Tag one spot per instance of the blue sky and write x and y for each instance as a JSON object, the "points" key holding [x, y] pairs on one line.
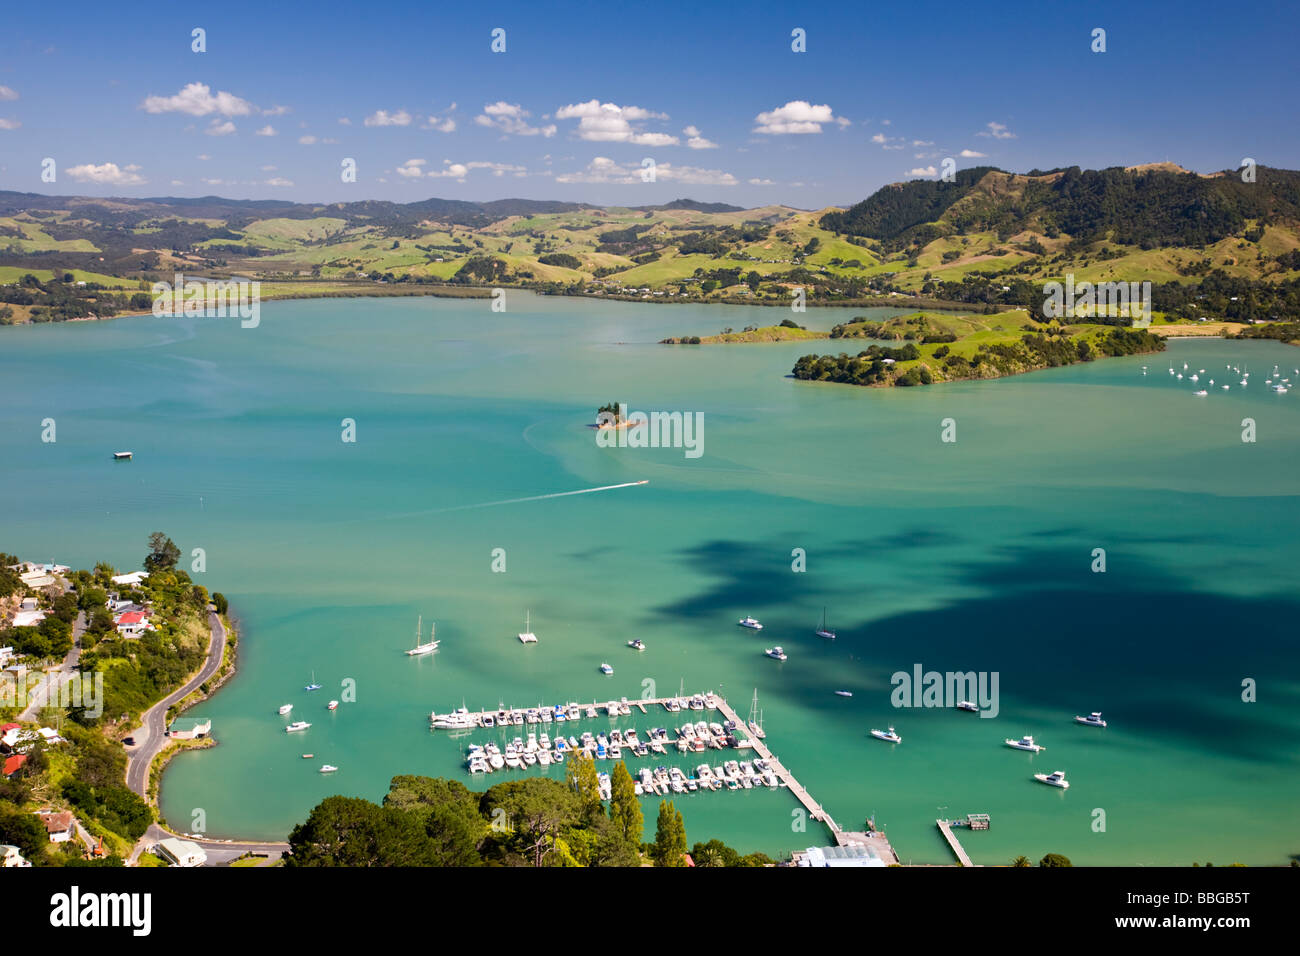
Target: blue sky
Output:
{"points": [[585, 92]]}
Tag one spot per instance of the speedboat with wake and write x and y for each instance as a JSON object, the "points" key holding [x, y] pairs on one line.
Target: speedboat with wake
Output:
{"points": [[890, 736], [1025, 743]]}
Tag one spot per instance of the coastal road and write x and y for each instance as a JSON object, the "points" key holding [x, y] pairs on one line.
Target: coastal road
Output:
{"points": [[220, 852], [57, 676], [149, 738]]}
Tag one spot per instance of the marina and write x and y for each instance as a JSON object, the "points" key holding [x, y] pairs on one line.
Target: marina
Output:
{"points": [[763, 769]]}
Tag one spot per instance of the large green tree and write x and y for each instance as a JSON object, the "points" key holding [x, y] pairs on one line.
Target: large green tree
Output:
{"points": [[580, 773], [670, 837], [624, 807], [163, 553]]}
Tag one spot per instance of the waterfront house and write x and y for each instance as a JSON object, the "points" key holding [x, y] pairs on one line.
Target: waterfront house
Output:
{"points": [[9, 735], [60, 826], [36, 580], [189, 728], [130, 580], [179, 852], [133, 623], [11, 856]]}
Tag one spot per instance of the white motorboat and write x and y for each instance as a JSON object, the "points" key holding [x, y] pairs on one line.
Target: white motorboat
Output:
{"points": [[328, 768], [1201, 393], [751, 623], [967, 705], [296, 726], [637, 644], [606, 669], [887, 735], [427, 647], [332, 705], [1054, 779], [1025, 743], [459, 719], [285, 708], [527, 636], [776, 653], [844, 693], [824, 631], [1092, 720]]}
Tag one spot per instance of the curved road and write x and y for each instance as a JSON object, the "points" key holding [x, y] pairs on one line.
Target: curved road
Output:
{"points": [[149, 740]]}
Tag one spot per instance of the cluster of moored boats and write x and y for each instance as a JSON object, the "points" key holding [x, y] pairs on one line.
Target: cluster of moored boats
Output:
{"points": [[464, 719], [540, 749], [733, 774], [1027, 742], [1279, 384]]}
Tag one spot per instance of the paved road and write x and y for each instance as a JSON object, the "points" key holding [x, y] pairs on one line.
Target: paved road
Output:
{"points": [[149, 738], [56, 676]]}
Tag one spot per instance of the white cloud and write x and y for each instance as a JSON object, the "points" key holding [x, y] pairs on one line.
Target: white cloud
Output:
{"points": [[278, 181], [997, 131], [609, 123], [344, 121], [306, 140], [511, 118], [276, 111], [7, 93], [696, 141], [385, 118], [218, 128], [605, 170], [411, 169], [106, 174], [922, 142], [923, 171], [203, 156], [760, 182], [880, 138], [797, 116], [268, 169], [9, 123], [178, 182], [267, 130], [197, 99], [971, 154]]}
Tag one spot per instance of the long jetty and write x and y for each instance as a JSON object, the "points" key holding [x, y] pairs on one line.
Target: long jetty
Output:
{"points": [[945, 827]]}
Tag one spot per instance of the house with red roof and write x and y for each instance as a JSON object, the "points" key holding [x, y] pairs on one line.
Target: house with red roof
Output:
{"points": [[133, 623], [12, 764]]}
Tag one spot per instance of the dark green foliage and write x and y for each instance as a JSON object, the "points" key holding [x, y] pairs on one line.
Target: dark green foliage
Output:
{"points": [[163, 553], [113, 805], [562, 259]]}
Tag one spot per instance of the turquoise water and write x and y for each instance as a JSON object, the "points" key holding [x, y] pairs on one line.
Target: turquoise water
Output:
{"points": [[965, 556]]}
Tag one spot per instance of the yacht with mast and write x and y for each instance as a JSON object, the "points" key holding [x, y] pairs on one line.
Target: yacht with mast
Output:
{"points": [[423, 648], [823, 631], [528, 637]]}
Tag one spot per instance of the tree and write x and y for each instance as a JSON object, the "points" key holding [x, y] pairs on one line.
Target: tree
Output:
{"points": [[670, 837], [714, 853], [580, 773], [24, 831], [1021, 861], [624, 807], [537, 810], [1055, 859], [220, 601], [163, 553]]}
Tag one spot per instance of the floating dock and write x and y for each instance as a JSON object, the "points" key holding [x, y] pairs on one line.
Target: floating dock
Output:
{"points": [[973, 821]]}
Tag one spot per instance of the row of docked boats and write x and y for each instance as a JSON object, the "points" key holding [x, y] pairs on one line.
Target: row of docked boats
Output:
{"points": [[462, 718], [734, 775]]}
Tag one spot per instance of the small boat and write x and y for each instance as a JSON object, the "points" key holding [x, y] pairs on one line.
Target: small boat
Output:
{"points": [[1092, 720], [751, 623], [887, 735], [328, 768], [636, 644], [313, 685], [1201, 393], [333, 705], [285, 708], [967, 705], [297, 725], [606, 669], [121, 456], [776, 653], [307, 756], [527, 636], [823, 631], [1054, 779], [1025, 743], [844, 693], [427, 647]]}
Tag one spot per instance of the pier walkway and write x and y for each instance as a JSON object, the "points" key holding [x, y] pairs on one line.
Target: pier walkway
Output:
{"points": [[945, 827]]}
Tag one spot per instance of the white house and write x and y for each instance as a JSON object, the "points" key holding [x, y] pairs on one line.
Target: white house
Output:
{"points": [[180, 852], [130, 580], [10, 856], [36, 579], [133, 623], [60, 826], [28, 618]]}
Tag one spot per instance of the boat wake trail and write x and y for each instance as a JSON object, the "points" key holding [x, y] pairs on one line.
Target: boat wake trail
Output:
{"points": [[516, 501]]}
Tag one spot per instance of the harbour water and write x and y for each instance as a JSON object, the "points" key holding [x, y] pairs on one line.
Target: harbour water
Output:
{"points": [[973, 555]]}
